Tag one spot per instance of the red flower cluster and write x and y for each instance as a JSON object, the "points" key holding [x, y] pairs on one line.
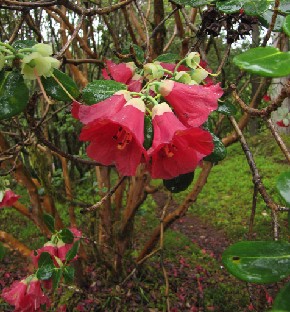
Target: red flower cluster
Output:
{"points": [[8, 199], [26, 295], [115, 126]]}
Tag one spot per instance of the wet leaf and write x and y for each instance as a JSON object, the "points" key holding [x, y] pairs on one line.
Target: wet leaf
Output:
{"points": [[258, 261], [219, 152], [283, 186], [148, 132], [46, 266], [193, 3], [73, 251], [267, 62], [54, 90], [227, 109], [282, 300], [68, 274], [168, 58], [99, 90], [14, 94], [66, 236], [180, 183], [49, 222], [230, 6], [56, 276], [22, 44]]}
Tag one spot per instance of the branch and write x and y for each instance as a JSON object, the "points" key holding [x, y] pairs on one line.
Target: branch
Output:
{"points": [[12, 243]]}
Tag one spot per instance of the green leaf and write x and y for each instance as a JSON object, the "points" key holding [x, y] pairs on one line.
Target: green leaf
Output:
{"points": [[258, 261], [14, 94], [22, 44], [54, 90], [66, 236], [194, 3], [56, 276], [283, 186], [45, 259], [49, 222], [138, 51], [219, 152], [148, 132], [2, 251], [266, 19], [99, 90], [230, 6], [73, 251], [286, 25], [267, 62], [68, 274], [45, 265], [168, 58], [282, 300], [227, 109], [255, 8], [180, 183]]}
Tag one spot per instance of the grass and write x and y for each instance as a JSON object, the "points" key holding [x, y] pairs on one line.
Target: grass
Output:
{"points": [[226, 199]]}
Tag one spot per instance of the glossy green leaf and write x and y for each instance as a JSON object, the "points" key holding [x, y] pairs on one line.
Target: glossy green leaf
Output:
{"points": [[56, 276], [54, 90], [14, 94], [266, 19], [68, 274], [22, 44], [267, 62], [49, 222], [255, 8], [219, 152], [286, 25], [148, 132], [66, 236], [194, 3], [46, 266], [180, 183], [2, 251], [282, 300], [99, 90], [168, 58], [230, 6], [283, 186], [227, 109], [73, 251], [258, 261]]}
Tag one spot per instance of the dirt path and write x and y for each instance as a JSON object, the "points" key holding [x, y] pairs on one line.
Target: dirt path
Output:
{"points": [[200, 232]]}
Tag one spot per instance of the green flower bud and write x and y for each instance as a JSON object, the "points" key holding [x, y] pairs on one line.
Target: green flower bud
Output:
{"points": [[183, 77], [43, 49], [153, 71], [199, 74], [35, 64], [192, 60]]}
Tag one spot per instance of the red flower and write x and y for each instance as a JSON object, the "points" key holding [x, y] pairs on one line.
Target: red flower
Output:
{"points": [[191, 103], [118, 139], [176, 149], [124, 73], [280, 123], [8, 199], [267, 98], [48, 247], [26, 295], [101, 110]]}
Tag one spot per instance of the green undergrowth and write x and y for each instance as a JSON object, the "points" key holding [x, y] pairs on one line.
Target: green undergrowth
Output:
{"points": [[226, 199]]}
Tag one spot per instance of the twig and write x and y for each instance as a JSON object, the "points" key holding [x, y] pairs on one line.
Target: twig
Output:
{"points": [[278, 139], [272, 24], [107, 196], [253, 213], [73, 36]]}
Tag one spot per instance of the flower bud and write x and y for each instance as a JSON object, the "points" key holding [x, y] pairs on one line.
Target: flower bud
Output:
{"points": [[183, 77], [199, 74], [153, 71], [192, 60]]}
